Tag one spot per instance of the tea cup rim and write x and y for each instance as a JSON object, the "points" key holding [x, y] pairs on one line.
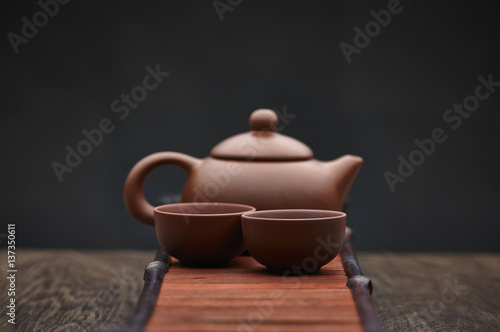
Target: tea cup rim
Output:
{"points": [[244, 209], [331, 215]]}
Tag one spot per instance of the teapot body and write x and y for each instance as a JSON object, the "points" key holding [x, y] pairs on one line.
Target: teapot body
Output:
{"points": [[305, 184]]}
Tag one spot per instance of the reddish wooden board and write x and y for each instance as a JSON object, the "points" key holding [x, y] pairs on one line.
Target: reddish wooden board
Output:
{"points": [[245, 297]]}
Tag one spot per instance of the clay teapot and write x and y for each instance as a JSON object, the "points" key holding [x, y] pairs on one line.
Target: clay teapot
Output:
{"points": [[261, 168]]}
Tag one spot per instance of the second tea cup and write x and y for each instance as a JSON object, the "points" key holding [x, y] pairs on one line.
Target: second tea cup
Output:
{"points": [[294, 242]]}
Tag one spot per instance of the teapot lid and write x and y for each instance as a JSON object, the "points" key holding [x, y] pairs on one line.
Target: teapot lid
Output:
{"points": [[262, 142]]}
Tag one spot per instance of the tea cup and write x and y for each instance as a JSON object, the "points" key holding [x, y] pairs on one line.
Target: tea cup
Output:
{"points": [[201, 234]]}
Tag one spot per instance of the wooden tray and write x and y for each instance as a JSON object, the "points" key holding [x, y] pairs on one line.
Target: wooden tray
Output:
{"points": [[245, 297]]}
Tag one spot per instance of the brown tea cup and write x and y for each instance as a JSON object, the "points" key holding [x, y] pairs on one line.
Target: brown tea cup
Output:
{"points": [[201, 234], [294, 242]]}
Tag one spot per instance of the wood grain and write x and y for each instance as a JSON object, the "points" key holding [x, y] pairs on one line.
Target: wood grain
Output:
{"points": [[68, 290], [65, 290], [245, 297], [409, 288]]}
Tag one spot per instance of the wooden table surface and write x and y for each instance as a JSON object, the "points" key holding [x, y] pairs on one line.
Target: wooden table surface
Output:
{"points": [[76, 290]]}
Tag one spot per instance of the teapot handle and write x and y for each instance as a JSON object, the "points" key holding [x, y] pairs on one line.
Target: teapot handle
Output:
{"points": [[133, 193]]}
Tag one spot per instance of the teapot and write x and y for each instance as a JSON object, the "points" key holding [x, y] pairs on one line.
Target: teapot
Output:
{"points": [[261, 168]]}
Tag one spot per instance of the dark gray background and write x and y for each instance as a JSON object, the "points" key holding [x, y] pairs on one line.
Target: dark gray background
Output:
{"points": [[268, 54]]}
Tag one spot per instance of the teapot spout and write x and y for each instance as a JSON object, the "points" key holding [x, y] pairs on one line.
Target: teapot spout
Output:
{"points": [[343, 171]]}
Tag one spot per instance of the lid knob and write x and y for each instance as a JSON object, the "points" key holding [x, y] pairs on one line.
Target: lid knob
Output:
{"points": [[263, 119]]}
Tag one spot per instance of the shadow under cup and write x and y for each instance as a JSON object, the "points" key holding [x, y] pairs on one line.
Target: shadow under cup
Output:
{"points": [[294, 242], [201, 234]]}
